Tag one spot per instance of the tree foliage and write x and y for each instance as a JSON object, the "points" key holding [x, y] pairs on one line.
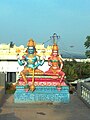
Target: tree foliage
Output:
{"points": [[76, 70], [87, 45], [87, 53]]}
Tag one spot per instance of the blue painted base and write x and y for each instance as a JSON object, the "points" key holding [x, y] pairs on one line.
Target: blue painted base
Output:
{"points": [[42, 94]]}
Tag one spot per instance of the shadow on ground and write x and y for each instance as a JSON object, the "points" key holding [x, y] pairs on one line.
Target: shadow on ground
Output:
{"points": [[0, 110], [9, 116], [4, 99]]}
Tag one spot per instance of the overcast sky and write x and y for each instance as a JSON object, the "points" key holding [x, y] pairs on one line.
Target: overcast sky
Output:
{"points": [[21, 20]]}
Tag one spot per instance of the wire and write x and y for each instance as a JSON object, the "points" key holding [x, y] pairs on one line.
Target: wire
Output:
{"points": [[46, 41]]}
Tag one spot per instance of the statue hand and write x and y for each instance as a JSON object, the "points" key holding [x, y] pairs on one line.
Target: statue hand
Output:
{"points": [[18, 57], [49, 63], [20, 61], [59, 70], [43, 57]]}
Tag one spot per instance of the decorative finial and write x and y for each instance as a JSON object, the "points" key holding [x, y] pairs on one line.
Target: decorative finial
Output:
{"points": [[55, 37]]}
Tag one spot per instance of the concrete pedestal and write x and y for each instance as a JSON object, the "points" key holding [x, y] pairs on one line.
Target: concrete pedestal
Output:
{"points": [[42, 94]]}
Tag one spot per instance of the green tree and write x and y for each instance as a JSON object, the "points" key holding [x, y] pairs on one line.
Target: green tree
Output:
{"points": [[76, 70], [70, 70], [83, 70], [87, 45]]}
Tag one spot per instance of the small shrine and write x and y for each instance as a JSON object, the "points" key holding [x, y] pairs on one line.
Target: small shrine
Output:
{"points": [[34, 85]]}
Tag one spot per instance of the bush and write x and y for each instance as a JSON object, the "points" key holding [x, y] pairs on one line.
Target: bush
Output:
{"points": [[10, 88]]}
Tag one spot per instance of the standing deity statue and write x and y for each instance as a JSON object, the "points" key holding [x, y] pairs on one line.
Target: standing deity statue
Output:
{"points": [[56, 64], [31, 62]]}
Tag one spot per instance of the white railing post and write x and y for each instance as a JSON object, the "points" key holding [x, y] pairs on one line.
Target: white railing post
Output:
{"points": [[83, 92]]}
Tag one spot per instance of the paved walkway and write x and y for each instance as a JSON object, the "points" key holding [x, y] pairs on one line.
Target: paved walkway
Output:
{"points": [[75, 110]]}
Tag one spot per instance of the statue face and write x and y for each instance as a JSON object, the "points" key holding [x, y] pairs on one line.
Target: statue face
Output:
{"points": [[55, 53], [31, 50]]}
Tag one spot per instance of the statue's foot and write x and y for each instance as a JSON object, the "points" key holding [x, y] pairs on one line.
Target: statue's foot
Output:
{"points": [[32, 87], [58, 88], [26, 87]]}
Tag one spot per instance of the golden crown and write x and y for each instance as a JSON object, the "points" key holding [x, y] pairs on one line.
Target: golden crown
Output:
{"points": [[31, 43], [55, 47]]}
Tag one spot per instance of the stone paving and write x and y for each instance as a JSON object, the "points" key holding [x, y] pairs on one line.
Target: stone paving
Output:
{"points": [[74, 110]]}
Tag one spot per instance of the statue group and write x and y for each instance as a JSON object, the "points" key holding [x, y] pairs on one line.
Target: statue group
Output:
{"points": [[31, 61], [34, 82]]}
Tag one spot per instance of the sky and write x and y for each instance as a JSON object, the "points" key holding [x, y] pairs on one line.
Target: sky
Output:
{"points": [[21, 20]]}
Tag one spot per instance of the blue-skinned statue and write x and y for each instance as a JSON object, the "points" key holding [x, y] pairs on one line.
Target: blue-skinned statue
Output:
{"points": [[31, 62]]}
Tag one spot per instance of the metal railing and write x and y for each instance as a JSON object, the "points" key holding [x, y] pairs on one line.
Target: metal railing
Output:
{"points": [[83, 91]]}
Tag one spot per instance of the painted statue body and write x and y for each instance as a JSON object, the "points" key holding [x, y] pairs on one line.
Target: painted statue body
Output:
{"points": [[56, 64], [30, 61]]}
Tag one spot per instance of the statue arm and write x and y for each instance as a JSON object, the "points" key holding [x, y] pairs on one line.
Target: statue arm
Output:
{"points": [[39, 62], [21, 61], [49, 62], [61, 63]]}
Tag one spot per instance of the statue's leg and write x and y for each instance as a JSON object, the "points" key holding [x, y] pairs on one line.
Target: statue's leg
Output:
{"points": [[62, 74], [39, 72], [30, 70], [23, 73], [49, 72]]}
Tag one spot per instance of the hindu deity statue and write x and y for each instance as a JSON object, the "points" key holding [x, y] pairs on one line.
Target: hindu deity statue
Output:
{"points": [[50, 85], [56, 64], [31, 61]]}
